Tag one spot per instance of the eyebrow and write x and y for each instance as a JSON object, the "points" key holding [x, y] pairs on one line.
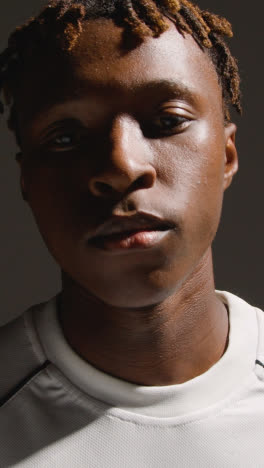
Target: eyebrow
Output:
{"points": [[166, 89], [173, 87]]}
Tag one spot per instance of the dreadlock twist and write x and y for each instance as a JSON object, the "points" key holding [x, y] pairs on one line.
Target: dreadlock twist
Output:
{"points": [[60, 23]]}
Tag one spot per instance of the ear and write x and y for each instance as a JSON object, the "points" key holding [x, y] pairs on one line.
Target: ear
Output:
{"points": [[231, 158], [22, 180]]}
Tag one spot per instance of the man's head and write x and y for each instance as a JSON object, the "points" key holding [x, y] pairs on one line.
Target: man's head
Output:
{"points": [[117, 111]]}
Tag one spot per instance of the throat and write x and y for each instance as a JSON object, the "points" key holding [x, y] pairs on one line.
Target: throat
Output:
{"points": [[154, 347]]}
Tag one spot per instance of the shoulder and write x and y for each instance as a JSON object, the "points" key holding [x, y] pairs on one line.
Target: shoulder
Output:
{"points": [[260, 348], [250, 319], [20, 351]]}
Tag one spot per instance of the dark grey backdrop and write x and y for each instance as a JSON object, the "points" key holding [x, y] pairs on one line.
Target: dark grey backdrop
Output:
{"points": [[28, 273]]}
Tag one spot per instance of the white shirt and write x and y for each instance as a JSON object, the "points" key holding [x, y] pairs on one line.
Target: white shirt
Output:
{"points": [[57, 410]]}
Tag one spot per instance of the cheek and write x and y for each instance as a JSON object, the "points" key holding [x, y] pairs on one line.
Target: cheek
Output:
{"points": [[49, 201], [194, 160], [193, 171]]}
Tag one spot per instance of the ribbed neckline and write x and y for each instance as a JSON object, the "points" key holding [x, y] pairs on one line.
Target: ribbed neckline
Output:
{"points": [[223, 378]]}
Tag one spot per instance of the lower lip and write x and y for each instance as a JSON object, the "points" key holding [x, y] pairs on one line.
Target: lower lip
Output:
{"points": [[127, 241]]}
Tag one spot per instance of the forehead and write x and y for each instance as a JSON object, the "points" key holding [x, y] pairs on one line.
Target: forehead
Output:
{"points": [[101, 44], [101, 67]]}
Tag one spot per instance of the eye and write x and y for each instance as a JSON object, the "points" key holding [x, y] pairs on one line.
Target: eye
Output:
{"points": [[64, 141], [170, 123]]}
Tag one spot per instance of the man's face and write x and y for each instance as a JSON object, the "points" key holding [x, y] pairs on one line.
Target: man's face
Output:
{"points": [[109, 132]]}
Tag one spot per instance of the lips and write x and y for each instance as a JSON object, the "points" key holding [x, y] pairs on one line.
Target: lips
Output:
{"points": [[123, 226]]}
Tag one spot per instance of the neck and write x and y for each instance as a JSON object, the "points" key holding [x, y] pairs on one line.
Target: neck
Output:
{"points": [[164, 344]]}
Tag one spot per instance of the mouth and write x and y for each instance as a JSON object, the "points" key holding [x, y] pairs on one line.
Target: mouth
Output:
{"points": [[133, 239], [142, 230]]}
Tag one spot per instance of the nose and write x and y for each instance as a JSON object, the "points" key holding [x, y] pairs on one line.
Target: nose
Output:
{"points": [[128, 157]]}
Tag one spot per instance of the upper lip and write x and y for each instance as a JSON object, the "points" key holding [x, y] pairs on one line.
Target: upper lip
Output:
{"points": [[136, 222]]}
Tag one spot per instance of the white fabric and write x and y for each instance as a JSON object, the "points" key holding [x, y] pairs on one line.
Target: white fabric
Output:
{"points": [[69, 414]]}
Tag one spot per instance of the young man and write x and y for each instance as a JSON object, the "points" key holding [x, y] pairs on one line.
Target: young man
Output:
{"points": [[121, 111]]}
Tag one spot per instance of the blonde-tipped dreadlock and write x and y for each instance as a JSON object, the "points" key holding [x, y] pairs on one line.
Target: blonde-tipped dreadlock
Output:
{"points": [[60, 24]]}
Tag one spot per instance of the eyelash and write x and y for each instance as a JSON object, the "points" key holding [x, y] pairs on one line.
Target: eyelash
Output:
{"points": [[179, 123]]}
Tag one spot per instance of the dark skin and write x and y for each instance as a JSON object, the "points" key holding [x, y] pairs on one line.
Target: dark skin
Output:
{"points": [[151, 316]]}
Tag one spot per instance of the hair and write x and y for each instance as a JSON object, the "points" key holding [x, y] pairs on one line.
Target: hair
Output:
{"points": [[60, 24]]}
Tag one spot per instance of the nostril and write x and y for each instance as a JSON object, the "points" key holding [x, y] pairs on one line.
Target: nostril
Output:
{"points": [[103, 189], [138, 183]]}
